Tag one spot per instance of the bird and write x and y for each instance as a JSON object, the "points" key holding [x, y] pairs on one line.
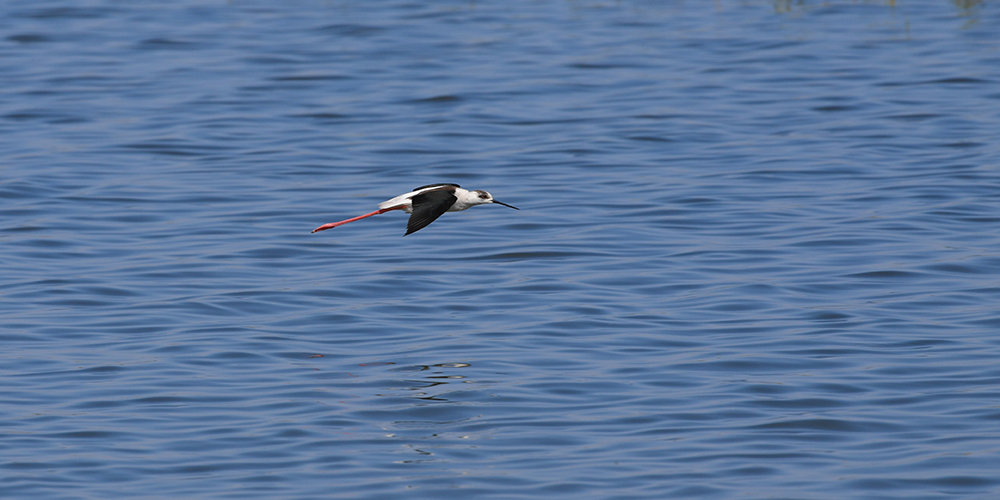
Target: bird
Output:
{"points": [[425, 204]]}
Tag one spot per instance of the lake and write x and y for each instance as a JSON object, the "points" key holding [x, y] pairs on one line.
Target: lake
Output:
{"points": [[757, 253]]}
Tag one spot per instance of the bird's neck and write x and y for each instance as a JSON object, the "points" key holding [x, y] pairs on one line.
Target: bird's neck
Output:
{"points": [[465, 200]]}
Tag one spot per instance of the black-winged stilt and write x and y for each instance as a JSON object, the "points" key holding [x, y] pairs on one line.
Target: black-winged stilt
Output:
{"points": [[426, 204]]}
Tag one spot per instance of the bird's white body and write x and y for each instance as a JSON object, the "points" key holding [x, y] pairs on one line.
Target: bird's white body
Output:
{"points": [[466, 199], [425, 204]]}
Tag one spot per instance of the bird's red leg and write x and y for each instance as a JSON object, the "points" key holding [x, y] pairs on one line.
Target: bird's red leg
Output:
{"points": [[352, 219]]}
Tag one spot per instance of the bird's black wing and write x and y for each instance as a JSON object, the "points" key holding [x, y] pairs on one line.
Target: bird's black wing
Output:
{"points": [[435, 185], [427, 207]]}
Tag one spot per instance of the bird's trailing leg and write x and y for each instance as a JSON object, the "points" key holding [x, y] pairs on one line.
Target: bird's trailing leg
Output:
{"points": [[331, 225]]}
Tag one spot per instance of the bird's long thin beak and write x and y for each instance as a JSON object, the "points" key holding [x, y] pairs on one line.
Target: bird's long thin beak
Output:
{"points": [[506, 205]]}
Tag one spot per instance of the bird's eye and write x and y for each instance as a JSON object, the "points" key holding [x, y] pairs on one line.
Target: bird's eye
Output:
{"points": [[483, 195]]}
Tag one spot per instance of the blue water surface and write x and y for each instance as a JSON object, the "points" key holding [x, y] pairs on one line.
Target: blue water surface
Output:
{"points": [[757, 256]]}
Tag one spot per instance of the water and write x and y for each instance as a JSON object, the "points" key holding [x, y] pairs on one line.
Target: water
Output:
{"points": [[756, 257]]}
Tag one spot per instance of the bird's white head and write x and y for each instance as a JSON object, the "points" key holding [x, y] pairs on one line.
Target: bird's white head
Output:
{"points": [[480, 197]]}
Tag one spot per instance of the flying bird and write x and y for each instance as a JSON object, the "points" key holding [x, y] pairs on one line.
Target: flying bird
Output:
{"points": [[425, 204]]}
